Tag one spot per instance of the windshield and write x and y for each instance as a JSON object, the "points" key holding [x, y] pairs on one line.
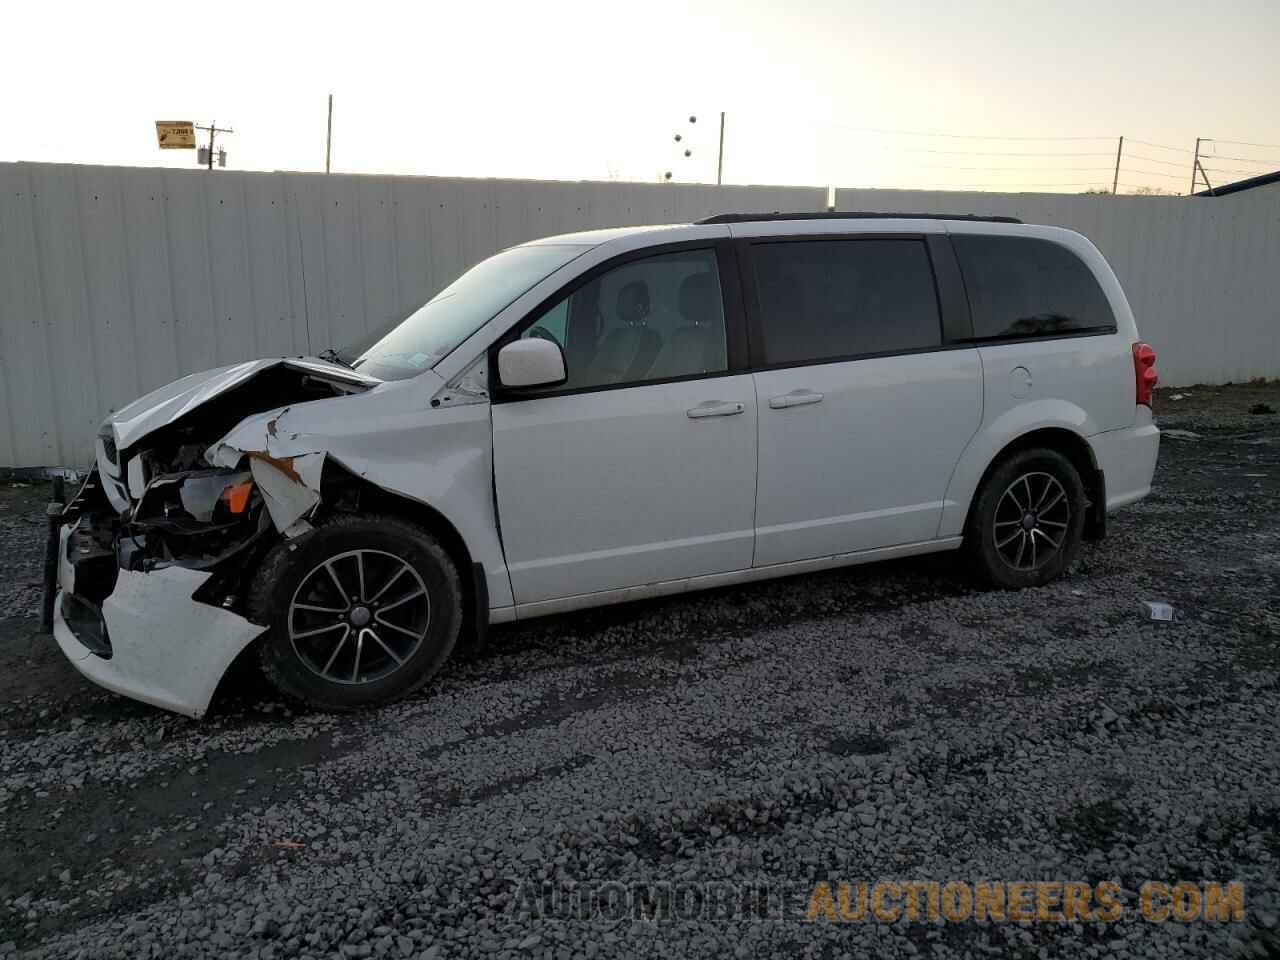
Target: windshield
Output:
{"points": [[432, 331]]}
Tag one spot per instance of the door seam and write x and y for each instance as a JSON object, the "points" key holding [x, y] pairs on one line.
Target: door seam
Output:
{"points": [[982, 417], [755, 503]]}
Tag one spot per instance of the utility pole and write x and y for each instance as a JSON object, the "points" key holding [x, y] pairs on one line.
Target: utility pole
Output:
{"points": [[720, 162], [1195, 166], [328, 137], [1115, 181], [1206, 178], [213, 129]]}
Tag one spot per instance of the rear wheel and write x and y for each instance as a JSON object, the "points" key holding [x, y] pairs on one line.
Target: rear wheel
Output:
{"points": [[363, 611], [1028, 520]]}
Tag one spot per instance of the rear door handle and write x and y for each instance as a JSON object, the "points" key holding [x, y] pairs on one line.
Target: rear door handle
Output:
{"points": [[715, 408], [796, 398]]}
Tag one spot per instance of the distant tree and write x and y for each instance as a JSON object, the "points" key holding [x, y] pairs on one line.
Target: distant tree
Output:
{"points": [[1137, 192]]}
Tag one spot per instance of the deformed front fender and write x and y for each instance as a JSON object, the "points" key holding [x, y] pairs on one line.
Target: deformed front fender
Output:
{"points": [[289, 483], [441, 457]]}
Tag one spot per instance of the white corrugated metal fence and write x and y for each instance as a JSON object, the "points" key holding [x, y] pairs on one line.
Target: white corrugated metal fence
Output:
{"points": [[116, 280]]}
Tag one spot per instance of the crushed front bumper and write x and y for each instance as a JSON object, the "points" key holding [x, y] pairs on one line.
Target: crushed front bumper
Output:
{"points": [[162, 647]]}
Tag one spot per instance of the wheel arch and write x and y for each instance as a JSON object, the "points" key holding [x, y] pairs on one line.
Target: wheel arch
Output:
{"points": [[346, 492], [1075, 448]]}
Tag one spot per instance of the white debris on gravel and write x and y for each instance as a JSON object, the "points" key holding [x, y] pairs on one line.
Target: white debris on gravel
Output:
{"points": [[888, 722]]}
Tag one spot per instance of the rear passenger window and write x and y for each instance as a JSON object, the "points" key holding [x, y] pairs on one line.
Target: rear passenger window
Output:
{"points": [[832, 299], [1021, 287]]}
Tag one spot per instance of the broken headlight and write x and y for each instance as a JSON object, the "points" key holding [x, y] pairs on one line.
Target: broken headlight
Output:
{"points": [[196, 501]]}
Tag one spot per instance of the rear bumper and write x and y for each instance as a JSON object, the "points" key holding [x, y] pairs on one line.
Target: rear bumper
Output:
{"points": [[166, 649], [1127, 459]]}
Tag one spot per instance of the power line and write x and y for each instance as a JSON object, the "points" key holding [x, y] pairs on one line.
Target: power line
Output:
{"points": [[1125, 165], [1167, 163], [986, 153], [1230, 169], [1223, 156], [954, 136], [1153, 173], [1251, 173], [1051, 154], [948, 166], [1162, 146], [1245, 143]]}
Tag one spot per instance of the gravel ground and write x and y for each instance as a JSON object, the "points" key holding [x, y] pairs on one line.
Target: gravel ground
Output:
{"points": [[887, 721]]}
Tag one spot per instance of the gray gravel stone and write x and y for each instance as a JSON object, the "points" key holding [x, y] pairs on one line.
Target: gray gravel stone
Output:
{"points": [[881, 722]]}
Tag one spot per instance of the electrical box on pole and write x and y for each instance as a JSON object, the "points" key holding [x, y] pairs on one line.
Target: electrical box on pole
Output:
{"points": [[206, 155]]}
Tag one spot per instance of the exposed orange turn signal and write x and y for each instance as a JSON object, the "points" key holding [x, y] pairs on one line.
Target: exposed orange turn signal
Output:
{"points": [[237, 496]]}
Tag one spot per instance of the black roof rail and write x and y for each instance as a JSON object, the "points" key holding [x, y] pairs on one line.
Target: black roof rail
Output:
{"points": [[851, 215]]}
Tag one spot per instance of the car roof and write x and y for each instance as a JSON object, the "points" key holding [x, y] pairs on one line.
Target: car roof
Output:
{"points": [[849, 215], [592, 238]]}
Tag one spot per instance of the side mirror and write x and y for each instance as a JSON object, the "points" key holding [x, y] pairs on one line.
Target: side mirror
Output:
{"points": [[531, 363]]}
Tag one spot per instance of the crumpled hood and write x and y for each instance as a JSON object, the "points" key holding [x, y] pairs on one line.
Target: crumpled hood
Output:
{"points": [[163, 406]]}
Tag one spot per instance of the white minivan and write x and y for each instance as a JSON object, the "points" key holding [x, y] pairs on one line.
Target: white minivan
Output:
{"points": [[601, 417]]}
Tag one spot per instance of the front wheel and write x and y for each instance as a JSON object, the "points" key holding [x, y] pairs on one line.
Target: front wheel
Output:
{"points": [[1028, 520], [362, 611]]}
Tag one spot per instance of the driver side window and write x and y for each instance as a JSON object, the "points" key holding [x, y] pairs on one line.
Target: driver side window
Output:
{"points": [[653, 319], [551, 325]]}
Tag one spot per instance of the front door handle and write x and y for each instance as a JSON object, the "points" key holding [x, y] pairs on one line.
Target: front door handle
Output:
{"points": [[715, 408], [796, 398]]}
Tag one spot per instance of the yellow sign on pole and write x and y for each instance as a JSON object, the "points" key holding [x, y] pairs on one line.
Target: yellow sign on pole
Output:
{"points": [[176, 134]]}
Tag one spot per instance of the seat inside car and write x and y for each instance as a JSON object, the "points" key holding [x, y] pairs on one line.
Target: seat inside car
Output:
{"points": [[630, 348], [697, 346]]}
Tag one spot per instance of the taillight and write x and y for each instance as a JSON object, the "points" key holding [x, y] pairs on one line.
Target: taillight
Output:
{"points": [[1144, 372]]}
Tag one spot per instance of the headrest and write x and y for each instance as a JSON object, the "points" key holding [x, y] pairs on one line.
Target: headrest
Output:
{"points": [[699, 298], [633, 303]]}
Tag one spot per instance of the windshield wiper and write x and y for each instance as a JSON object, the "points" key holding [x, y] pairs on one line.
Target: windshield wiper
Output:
{"points": [[333, 356]]}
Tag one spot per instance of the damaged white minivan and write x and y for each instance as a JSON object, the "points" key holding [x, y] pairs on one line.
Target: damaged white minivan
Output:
{"points": [[605, 416]]}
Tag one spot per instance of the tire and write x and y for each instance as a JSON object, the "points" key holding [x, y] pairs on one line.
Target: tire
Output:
{"points": [[1028, 520], [361, 612]]}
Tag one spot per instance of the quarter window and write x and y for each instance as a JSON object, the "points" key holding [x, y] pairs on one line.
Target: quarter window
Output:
{"points": [[839, 299], [1024, 287], [653, 319]]}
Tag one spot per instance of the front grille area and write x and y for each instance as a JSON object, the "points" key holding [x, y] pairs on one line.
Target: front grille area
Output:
{"points": [[84, 617]]}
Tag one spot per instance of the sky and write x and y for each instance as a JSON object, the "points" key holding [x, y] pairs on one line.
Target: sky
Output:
{"points": [[855, 94]]}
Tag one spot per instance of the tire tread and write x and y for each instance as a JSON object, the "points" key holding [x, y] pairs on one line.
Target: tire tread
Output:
{"points": [[983, 561], [265, 605]]}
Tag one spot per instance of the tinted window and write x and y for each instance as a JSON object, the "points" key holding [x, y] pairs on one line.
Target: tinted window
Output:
{"points": [[1020, 287], [648, 319], [824, 299]]}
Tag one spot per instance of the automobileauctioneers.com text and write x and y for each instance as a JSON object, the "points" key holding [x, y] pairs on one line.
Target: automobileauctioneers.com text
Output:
{"points": [[883, 901]]}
